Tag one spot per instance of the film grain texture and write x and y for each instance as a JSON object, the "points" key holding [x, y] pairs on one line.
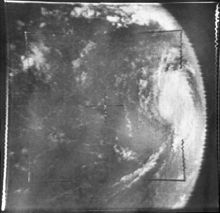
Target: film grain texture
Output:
{"points": [[106, 108]]}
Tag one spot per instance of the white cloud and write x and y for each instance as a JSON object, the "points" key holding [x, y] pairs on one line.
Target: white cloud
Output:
{"points": [[36, 57], [112, 18], [142, 14], [133, 177], [125, 153]]}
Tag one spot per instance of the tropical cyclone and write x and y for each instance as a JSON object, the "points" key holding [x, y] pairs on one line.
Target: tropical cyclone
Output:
{"points": [[127, 106]]}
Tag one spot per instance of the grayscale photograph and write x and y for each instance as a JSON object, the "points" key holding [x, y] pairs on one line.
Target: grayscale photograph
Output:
{"points": [[110, 107]]}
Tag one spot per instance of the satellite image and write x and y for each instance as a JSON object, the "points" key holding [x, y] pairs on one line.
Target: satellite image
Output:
{"points": [[107, 108]]}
